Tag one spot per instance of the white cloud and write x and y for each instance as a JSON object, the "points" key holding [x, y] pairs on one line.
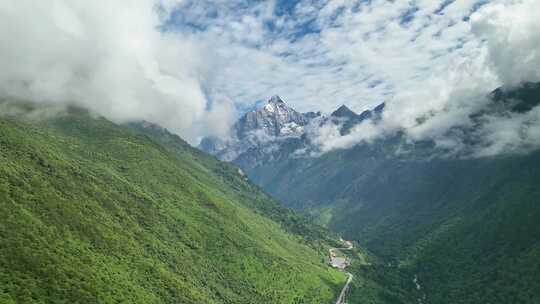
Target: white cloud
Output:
{"points": [[511, 30], [321, 54], [432, 94], [326, 136], [105, 55], [185, 65]]}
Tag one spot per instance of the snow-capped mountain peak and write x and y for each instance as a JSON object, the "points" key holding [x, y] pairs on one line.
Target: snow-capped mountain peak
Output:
{"points": [[275, 121], [269, 108], [267, 130], [276, 106], [274, 103], [344, 112], [275, 100]]}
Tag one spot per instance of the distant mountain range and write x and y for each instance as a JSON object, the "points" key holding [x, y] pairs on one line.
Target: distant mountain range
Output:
{"points": [[467, 228], [275, 130], [271, 123]]}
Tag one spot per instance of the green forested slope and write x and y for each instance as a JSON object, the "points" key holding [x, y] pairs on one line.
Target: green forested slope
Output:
{"points": [[466, 227], [93, 213], [229, 178]]}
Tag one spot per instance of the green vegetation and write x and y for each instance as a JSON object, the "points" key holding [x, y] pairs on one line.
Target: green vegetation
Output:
{"points": [[467, 228], [228, 177], [93, 212], [378, 282]]}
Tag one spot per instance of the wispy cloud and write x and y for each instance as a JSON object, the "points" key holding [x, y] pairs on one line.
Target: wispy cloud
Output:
{"points": [[432, 61], [187, 64], [320, 54], [110, 57]]}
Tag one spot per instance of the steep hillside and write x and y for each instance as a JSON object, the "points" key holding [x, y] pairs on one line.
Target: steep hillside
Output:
{"points": [[95, 213], [227, 177]]}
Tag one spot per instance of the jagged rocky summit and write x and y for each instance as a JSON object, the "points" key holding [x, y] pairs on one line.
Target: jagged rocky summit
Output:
{"points": [[276, 128]]}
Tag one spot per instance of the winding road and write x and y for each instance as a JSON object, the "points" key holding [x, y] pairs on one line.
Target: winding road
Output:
{"points": [[341, 264]]}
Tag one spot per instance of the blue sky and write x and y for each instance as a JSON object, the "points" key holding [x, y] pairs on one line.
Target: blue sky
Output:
{"points": [[318, 55], [193, 66]]}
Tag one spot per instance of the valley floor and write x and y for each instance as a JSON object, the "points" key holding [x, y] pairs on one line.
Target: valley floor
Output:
{"points": [[341, 263]]}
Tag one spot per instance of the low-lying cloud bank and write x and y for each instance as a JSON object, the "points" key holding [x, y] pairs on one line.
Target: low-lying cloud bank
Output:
{"points": [[110, 57], [510, 55]]}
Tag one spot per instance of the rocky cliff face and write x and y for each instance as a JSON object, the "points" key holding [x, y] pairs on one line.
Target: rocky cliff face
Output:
{"points": [[259, 132], [276, 130], [275, 119]]}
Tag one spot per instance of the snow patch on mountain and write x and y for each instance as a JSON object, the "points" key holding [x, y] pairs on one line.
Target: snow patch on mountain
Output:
{"points": [[269, 108], [259, 130], [276, 130]]}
